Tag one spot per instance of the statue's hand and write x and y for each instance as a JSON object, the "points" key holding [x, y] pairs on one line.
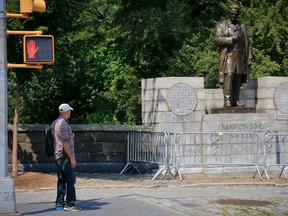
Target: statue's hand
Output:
{"points": [[250, 61], [235, 39]]}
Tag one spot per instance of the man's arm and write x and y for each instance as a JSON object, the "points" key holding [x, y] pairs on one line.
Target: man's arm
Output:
{"points": [[69, 153], [221, 40]]}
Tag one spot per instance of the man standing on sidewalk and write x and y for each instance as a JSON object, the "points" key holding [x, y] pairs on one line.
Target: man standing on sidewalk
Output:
{"points": [[65, 160]]}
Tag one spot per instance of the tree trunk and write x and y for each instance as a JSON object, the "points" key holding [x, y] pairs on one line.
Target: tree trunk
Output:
{"points": [[15, 133]]}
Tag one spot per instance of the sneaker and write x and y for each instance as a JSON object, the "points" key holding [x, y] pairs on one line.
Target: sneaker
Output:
{"points": [[72, 208], [59, 207]]}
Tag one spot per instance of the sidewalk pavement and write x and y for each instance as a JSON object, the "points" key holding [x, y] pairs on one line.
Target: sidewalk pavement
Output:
{"points": [[140, 196], [165, 200]]}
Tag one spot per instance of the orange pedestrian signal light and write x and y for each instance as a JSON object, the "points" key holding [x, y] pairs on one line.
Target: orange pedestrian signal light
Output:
{"points": [[38, 49]]}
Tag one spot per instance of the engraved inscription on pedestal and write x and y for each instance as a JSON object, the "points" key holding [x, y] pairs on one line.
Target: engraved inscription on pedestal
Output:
{"points": [[182, 99], [281, 101]]}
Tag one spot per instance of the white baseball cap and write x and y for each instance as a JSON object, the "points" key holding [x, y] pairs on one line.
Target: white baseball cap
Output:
{"points": [[64, 107]]}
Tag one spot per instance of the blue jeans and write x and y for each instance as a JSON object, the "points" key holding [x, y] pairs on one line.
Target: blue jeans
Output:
{"points": [[66, 181]]}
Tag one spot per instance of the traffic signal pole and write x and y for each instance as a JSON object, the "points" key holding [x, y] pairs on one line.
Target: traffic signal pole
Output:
{"points": [[7, 189], [3, 94]]}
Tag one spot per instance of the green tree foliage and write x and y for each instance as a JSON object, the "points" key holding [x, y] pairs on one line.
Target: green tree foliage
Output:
{"points": [[268, 30], [147, 33], [103, 48]]}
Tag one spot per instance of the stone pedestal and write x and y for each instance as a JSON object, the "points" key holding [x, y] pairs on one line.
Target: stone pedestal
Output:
{"points": [[7, 196], [181, 104], [242, 122]]}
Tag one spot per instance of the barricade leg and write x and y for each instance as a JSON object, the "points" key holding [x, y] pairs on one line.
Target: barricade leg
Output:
{"points": [[158, 173], [266, 173], [259, 173], [283, 172], [165, 171], [128, 165], [138, 166], [179, 173], [131, 166]]}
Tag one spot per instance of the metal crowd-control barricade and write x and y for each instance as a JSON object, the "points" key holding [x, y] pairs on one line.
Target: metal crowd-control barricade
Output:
{"points": [[203, 149], [173, 151], [276, 152], [144, 150], [170, 156]]}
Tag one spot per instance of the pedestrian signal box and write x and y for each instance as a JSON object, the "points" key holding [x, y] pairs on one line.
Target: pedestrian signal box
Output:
{"points": [[38, 49], [29, 6]]}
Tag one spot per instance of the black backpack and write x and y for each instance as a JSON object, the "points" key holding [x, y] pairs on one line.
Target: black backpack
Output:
{"points": [[49, 141]]}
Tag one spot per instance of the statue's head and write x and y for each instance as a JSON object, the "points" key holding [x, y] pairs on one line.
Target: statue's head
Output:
{"points": [[234, 12], [234, 8]]}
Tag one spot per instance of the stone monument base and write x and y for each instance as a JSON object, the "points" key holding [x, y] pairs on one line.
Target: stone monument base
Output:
{"points": [[234, 110], [243, 122], [7, 196], [182, 104]]}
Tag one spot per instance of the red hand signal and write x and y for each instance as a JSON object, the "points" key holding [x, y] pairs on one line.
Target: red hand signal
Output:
{"points": [[32, 49]]}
